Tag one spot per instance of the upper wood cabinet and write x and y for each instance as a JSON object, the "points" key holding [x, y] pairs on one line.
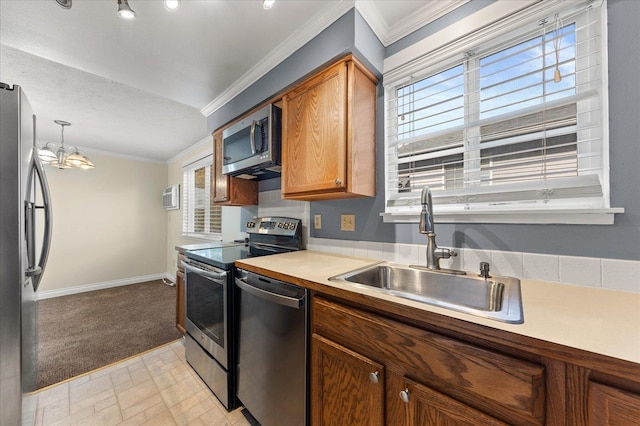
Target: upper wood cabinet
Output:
{"points": [[328, 134], [227, 190]]}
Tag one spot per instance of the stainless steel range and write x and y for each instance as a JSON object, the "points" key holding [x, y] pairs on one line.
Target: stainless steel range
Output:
{"points": [[211, 301]]}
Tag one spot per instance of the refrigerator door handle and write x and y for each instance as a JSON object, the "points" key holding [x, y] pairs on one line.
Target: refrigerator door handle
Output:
{"points": [[48, 212], [36, 271]]}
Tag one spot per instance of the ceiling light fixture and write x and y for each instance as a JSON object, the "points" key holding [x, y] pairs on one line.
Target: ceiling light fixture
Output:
{"points": [[171, 5], [66, 4], [61, 157], [268, 4], [124, 11]]}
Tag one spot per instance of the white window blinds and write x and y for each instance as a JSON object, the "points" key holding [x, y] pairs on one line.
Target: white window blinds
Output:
{"points": [[201, 217], [512, 122]]}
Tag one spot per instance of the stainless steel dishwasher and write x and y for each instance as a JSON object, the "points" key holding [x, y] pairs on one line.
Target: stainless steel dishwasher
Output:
{"points": [[272, 356]]}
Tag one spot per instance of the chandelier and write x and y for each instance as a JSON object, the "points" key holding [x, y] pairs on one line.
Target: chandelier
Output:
{"points": [[63, 157]]}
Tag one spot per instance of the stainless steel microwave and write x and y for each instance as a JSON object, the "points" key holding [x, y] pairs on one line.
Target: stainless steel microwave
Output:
{"points": [[251, 147]]}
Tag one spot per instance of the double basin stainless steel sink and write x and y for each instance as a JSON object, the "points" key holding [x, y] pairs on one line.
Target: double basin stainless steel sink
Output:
{"points": [[496, 298]]}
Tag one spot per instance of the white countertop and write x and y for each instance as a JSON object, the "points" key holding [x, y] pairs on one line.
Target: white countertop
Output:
{"points": [[598, 320]]}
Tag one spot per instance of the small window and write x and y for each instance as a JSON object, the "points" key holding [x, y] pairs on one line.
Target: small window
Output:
{"points": [[201, 217], [515, 122]]}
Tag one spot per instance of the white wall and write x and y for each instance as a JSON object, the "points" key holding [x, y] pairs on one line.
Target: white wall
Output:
{"points": [[109, 226]]}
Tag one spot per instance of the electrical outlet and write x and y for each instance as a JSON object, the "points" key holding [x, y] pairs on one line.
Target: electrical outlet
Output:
{"points": [[317, 221], [348, 222]]}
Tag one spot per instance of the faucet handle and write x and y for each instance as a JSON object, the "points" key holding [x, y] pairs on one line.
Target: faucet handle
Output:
{"points": [[484, 270]]}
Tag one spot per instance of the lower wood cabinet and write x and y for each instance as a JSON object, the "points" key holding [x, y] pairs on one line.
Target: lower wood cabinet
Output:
{"points": [[612, 406], [370, 369], [348, 388], [426, 406]]}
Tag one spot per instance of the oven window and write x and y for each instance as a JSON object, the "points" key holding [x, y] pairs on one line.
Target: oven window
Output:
{"points": [[205, 306]]}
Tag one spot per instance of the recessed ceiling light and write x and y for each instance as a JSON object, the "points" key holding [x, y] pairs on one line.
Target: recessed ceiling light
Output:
{"points": [[64, 3], [124, 11], [171, 5], [268, 4]]}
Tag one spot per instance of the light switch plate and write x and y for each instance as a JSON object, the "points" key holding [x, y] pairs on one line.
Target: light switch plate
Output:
{"points": [[348, 222], [317, 221]]}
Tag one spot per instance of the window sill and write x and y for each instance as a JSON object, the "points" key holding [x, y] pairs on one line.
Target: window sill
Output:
{"points": [[557, 216], [207, 238]]}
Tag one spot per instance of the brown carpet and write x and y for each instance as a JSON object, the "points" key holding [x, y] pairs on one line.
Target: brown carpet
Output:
{"points": [[85, 331]]}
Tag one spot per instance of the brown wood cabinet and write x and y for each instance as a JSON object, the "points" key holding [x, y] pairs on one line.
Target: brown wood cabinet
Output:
{"points": [[612, 406], [348, 388], [474, 379], [328, 134], [180, 293], [228, 190], [426, 406], [438, 376]]}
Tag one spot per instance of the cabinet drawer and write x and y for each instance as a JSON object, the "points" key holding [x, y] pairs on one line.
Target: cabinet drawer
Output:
{"points": [[492, 382]]}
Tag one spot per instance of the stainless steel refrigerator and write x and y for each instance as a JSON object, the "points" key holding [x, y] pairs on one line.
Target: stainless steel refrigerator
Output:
{"points": [[24, 202]]}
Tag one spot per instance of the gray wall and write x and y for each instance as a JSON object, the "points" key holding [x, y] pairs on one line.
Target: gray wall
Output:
{"points": [[618, 241], [336, 40]]}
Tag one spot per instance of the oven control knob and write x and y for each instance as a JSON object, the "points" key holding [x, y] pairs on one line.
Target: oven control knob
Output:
{"points": [[292, 225]]}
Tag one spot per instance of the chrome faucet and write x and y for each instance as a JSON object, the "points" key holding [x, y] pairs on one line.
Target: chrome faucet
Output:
{"points": [[434, 253]]}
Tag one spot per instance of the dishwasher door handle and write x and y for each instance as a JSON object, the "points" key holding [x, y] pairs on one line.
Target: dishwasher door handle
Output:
{"points": [[291, 302]]}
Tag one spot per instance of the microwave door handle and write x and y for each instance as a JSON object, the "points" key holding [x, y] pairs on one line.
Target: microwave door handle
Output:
{"points": [[253, 137]]}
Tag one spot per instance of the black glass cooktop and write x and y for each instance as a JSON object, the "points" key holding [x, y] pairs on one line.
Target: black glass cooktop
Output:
{"points": [[220, 257]]}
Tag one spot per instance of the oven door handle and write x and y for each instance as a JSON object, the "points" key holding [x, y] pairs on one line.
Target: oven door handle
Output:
{"points": [[213, 275], [291, 302]]}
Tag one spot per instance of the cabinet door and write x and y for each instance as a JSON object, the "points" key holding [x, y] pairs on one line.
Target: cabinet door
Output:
{"points": [[612, 406], [314, 145], [220, 181], [426, 406], [346, 387]]}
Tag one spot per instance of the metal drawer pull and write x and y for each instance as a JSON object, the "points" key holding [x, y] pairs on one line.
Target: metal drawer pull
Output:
{"points": [[373, 377], [404, 395]]}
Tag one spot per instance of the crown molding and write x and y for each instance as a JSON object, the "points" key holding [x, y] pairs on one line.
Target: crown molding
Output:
{"points": [[285, 49], [432, 10], [195, 148]]}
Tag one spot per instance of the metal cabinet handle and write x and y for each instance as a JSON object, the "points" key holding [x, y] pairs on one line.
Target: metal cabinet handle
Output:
{"points": [[338, 182], [404, 395], [373, 377]]}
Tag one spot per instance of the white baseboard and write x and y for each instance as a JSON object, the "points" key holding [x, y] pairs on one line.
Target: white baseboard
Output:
{"points": [[48, 294]]}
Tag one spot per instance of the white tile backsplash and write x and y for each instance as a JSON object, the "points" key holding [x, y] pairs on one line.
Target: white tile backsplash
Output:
{"points": [[360, 249], [472, 258], [506, 263], [580, 270], [542, 267], [374, 250], [587, 271], [621, 275]]}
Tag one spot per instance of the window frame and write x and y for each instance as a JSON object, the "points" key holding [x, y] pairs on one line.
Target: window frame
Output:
{"points": [[405, 66], [188, 201]]}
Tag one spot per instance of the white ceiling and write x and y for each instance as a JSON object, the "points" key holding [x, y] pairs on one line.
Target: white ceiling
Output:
{"points": [[138, 87]]}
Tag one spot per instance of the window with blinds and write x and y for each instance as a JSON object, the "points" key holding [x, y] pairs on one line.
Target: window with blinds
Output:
{"points": [[201, 217], [510, 123]]}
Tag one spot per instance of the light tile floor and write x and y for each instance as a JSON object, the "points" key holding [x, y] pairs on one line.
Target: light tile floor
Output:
{"points": [[155, 388]]}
